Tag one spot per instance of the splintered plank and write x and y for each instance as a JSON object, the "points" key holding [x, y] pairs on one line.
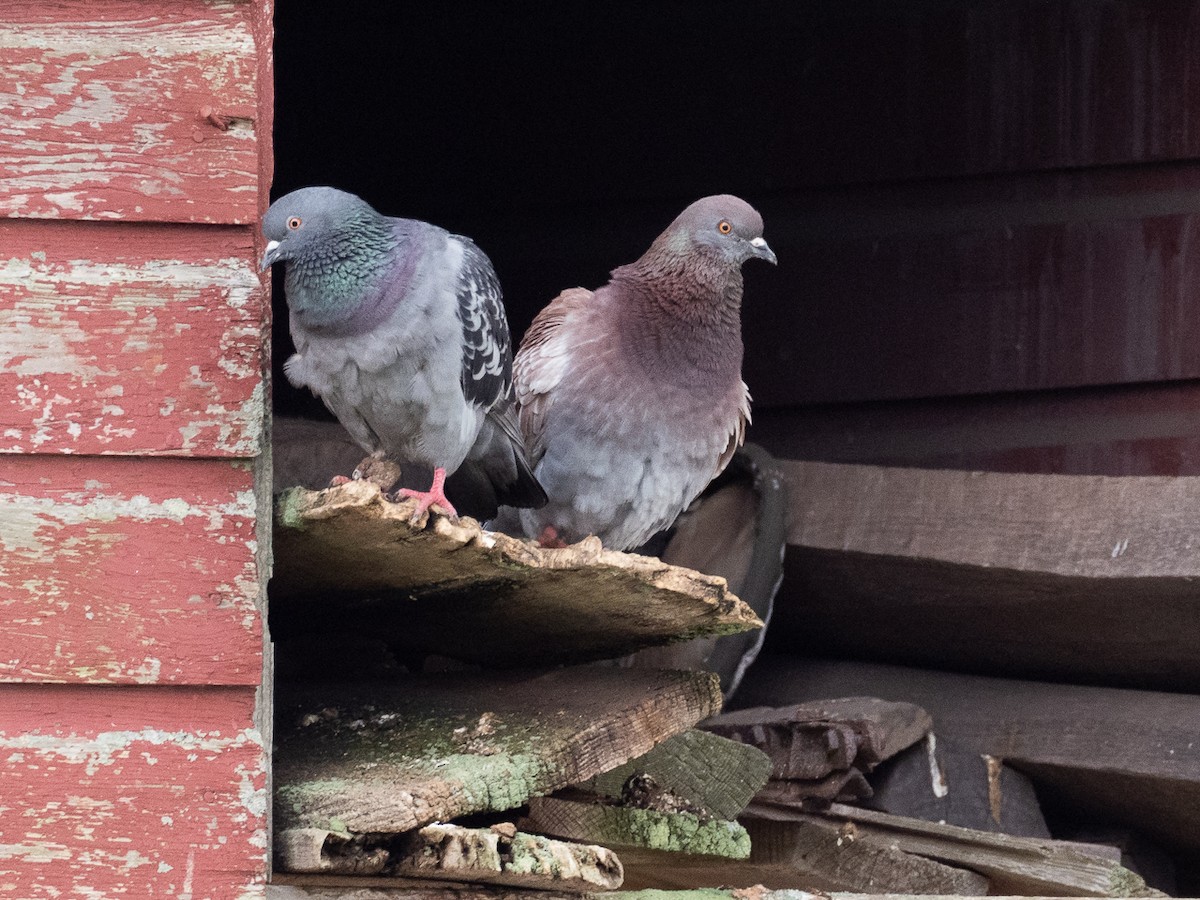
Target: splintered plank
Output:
{"points": [[115, 109], [507, 602], [127, 339], [648, 829], [1014, 865], [703, 770], [811, 740], [948, 568], [1130, 757], [129, 570], [390, 758], [131, 792]]}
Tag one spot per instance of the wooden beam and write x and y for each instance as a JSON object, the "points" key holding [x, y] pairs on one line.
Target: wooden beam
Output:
{"points": [[946, 568], [1124, 756], [393, 757], [507, 602], [1016, 865]]}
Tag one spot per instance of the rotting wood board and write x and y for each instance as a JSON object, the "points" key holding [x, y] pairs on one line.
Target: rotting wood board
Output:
{"points": [[129, 570], [132, 111], [702, 769], [1124, 756], [394, 757], [508, 602], [499, 855], [810, 740], [947, 568], [1017, 865]]}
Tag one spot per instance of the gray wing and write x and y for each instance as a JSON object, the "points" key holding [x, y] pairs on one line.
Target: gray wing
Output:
{"points": [[487, 347]]}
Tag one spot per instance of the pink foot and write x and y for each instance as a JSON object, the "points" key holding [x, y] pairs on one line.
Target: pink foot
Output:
{"points": [[435, 496], [339, 480], [549, 539]]}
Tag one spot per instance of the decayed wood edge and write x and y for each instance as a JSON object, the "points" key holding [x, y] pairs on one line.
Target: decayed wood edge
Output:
{"points": [[704, 769], [883, 727], [1017, 864], [299, 508], [397, 757], [348, 542], [447, 852], [618, 826]]}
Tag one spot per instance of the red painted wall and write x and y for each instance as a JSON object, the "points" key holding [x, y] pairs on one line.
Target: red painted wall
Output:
{"points": [[137, 159]]}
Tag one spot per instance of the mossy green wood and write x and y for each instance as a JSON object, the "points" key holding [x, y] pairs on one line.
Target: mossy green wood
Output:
{"points": [[715, 773], [390, 758]]}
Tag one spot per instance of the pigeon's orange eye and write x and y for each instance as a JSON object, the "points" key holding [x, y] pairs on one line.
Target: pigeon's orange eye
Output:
{"points": [[294, 222], [724, 227]]}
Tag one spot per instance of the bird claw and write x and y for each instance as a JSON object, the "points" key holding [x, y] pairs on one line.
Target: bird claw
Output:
{"points": [[339, 480], [434, 497], [550, 540]]}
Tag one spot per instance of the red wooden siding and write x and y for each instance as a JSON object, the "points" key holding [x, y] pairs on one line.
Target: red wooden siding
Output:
{"points": [[132, 761], [131, 792], [130, 339], [123, 571], [127, 110]]}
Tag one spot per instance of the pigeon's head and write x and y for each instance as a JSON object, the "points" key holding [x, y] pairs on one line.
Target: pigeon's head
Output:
{"points": [[307, 221], [723, 226]]}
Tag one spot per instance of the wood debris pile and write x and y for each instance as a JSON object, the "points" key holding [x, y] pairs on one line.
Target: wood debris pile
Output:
{"points": [[421, 767]]}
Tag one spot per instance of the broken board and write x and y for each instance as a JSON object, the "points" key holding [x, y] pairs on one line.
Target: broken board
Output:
{"points": [[507, 602], [353, 759]]}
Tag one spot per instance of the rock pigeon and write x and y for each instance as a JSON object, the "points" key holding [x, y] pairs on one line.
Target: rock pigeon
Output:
{"points": [[400, 329], [632, 397]]}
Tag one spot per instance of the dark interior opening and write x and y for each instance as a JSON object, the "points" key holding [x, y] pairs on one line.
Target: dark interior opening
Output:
{"points": [[924, 170]]}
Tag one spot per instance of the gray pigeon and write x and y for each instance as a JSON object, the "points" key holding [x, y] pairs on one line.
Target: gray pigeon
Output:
{"points": [[632, 397], [400, 329]]}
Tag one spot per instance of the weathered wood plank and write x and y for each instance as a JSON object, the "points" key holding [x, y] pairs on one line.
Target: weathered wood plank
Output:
{"points": [[125, 339], [1123, 756], [507, 602], [134, 571], [1017, 865], [947, 568], [713, 773], [1128, 429], [131, 792], [393, 757], [117, 109]]}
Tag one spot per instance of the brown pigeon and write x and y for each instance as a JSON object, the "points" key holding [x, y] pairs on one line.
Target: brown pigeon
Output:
{"points": [[631, 397]]}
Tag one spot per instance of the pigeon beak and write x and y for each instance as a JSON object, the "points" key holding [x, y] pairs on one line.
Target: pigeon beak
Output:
{"points": [[270, 255], [762, 251]]}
